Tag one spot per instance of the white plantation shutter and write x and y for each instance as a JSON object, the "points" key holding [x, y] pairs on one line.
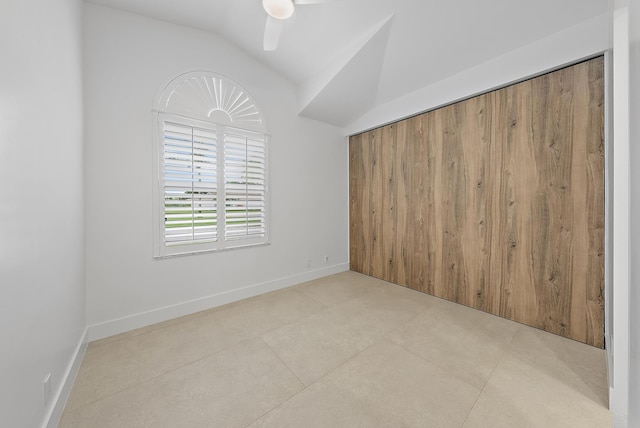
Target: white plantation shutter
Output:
{"points": [[190, 184], [211, 190], [245, 185]]}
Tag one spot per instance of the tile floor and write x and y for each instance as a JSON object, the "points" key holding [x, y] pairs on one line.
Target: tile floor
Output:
{"points": [[342, 351]]}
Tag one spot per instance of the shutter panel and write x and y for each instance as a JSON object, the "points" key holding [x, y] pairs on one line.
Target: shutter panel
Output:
{"points": [[190, 184], [245, 185]]}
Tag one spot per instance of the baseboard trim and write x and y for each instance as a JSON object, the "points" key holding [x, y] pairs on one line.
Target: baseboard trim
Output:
{"points": [[54, 413], [132, 322], [618, 421]]}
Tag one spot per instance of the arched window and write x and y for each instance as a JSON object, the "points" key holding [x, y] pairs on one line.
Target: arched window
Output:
{"points": [[210, 171]]}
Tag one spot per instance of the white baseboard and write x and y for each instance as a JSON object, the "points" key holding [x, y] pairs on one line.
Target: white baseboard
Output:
{"points": [[54, 413], [618, 421], [132, 322]]}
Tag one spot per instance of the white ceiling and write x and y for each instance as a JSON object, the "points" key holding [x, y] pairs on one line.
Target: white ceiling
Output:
{"points": [[396, 46]]}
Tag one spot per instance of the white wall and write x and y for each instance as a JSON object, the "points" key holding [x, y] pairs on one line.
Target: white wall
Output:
{"points": [[634, 278], [42, 300], [127, 57], [570, 45], [619, 392]]}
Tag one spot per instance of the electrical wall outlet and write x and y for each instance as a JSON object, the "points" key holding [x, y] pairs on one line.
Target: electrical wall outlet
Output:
{"points": [[308, 263], [46, 383], [326, 259]]}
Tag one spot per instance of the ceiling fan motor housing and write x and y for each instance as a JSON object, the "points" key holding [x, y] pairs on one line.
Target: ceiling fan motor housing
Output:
{"points": [[279, 9]]}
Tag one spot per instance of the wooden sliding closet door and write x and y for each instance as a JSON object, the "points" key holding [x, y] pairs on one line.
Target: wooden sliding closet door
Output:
{"points": [[496, 202]]}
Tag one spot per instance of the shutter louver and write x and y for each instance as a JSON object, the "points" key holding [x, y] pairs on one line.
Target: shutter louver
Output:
{"points": [[190, 169], [245, 186]]}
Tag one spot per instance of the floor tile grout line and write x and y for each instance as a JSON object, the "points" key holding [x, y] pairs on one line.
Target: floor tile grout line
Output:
{"points": [[524, 328], [172, 322], [306, 387], [507, 351], [66, 409], [152, 328], [251, 337], [288, 323], [282, 361], [376, 341], [502, 357], [141, 382], [299, 291], [289, 398], [320, 378], [418, 313], [435, 364]]}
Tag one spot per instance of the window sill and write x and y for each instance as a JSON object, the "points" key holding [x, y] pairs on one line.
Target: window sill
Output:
{"points": [[209, 250]]}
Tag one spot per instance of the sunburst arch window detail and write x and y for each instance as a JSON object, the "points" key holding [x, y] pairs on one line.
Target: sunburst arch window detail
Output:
{"points": [[211, 97], [210, 170]]}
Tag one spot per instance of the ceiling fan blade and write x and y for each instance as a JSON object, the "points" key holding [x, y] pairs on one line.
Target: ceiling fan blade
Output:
{"points": [[272, 30]]}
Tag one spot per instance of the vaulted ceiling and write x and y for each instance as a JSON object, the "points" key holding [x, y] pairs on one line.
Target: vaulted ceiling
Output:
{"points": [[348, 56]]}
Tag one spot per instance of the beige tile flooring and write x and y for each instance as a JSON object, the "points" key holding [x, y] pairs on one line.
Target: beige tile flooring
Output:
{"points": [[342, 351]]}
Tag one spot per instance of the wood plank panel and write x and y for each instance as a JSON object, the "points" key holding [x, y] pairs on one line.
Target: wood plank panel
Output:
{"points": [[376, 199], [416, 231], [402, 162], [432, 222], [496, 202], [464, 132], [356, 190], [389, 195], [595, 202], [516, 255]]}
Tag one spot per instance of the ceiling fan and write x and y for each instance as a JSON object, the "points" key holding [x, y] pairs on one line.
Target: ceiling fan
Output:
{"points": [[277, 12]]}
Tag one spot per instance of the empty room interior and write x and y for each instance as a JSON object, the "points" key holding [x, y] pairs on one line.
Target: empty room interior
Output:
{"points": [[329, 213]]}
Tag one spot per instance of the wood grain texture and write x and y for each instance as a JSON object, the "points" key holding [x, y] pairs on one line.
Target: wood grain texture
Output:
{"points": [[496, 202]]}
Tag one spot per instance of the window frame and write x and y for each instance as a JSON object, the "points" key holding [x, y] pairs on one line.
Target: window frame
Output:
{"points": [[161, 249]]}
